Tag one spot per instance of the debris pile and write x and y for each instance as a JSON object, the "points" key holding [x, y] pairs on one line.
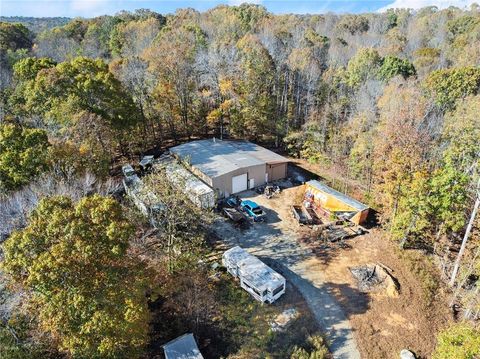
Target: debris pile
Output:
{"points": [[284, 319], [374, 277]]}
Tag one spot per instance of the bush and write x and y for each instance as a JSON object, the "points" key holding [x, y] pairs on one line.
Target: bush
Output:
{"points": [[316, 349], [459, 341]]}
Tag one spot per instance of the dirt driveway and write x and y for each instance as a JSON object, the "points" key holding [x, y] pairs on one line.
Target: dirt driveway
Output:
{"points": [[276, 242]]}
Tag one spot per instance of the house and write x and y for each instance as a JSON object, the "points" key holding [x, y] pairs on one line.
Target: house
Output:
{"points": [[184, 347], [261, 281], [231, 166], [327, 199]]}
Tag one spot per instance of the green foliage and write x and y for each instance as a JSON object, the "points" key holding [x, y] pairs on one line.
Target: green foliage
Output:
{"points": [[450, 182], [393, 66], [250, 15], [439, 200], [116, 39], [447, 86], [306, 144], [317, 349], [86, 292], [28, 68], [15, 343], [9, 347], [314, 39], [23, 155], [462, 25], [459, 341], [354, 24], [363, 66], [392, 18], [200, 36], [72, 88], [415, 215], [14, 37], [255, 115], [426, 58]]}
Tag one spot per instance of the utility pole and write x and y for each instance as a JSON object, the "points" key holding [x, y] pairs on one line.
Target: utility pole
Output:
{"points": [[467, 234]]}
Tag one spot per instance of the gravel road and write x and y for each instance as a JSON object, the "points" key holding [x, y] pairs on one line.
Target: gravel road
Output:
{"points": [[278, 246]]}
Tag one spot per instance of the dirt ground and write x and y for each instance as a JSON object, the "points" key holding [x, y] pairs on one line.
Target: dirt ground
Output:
{"points": [[382, 325], [385, 325]]}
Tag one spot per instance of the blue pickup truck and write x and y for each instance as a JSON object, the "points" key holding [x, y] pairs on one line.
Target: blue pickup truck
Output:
{"points": [[253, 210]]}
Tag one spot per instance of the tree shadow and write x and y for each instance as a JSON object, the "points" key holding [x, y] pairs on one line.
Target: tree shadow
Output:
{"points": [[373, 219], [300, 175], [332, 304]]}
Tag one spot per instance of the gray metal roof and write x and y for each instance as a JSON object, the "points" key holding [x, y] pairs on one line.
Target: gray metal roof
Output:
{"points": [[216, 157], [184, 347], [340, 196], [259, 152]]}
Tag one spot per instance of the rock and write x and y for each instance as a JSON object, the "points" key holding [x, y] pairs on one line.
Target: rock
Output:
{"points": [[407, 354]]}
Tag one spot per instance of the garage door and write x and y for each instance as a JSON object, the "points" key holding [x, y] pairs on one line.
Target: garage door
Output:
{"points": [[239, 183]]}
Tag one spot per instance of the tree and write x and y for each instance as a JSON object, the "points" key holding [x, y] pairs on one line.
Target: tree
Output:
{"points": [[364, 65], [393, 66], [460, 341], [450, 85], [401, 143], [82, 98], [256, 106], [28, 68], [460, 158], [85, 290], [172, 59], [180, 223], [14, 37], [354, 24], [23, 155]]}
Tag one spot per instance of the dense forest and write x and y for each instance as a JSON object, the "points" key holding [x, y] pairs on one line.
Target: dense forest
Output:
{"points": [[389, 102]]}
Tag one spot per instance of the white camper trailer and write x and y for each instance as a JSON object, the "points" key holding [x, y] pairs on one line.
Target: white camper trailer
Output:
{"points": [[198, 192], [261, 281]]}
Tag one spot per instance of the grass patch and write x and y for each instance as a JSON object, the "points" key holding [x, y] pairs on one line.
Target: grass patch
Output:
{"points": [[246, 323]]}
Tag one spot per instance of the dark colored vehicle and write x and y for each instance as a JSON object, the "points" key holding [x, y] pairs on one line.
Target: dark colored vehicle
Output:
{"points": [[233, 214], [253, 210], [234, 201]]}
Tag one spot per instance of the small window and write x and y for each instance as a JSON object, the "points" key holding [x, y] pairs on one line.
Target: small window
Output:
{"points": [[277, 290]]}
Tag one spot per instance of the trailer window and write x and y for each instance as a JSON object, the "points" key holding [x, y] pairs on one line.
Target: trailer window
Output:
{"points": [[277, 290]]}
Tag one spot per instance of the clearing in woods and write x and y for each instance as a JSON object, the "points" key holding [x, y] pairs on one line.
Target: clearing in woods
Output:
{"points": [[381, 326]]}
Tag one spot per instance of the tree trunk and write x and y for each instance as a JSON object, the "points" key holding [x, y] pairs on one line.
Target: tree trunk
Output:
{"points": [[465, 237]]}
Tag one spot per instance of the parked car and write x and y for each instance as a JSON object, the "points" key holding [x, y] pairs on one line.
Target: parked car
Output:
{"points": [[233, 214], [253, 210], [128, 171], [234, 201], [146, 163]]}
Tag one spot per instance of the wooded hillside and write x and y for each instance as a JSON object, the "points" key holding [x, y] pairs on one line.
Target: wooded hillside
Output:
{"points": [[389, 102]]}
